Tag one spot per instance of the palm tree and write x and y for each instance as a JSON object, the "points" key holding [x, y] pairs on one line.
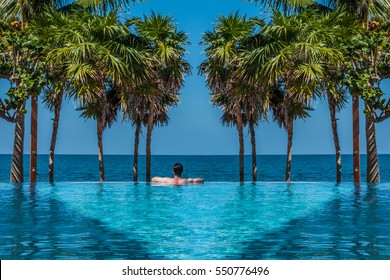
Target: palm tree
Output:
{"points": [[57, 86], [291, 55], [104, 110], [10, 57], [166, 47], [139, 115], [223, 47], [22, 67], [285, 111], [52, 99], [232, 116], [98, 57], [364, 11], [368, 56], [24, 11], [157, 115], [337, 100], [53, 102], [254, 104], [10, 111], [336, 27], [343, 26], [287, 6], [135, 109], [256, 107], [255, 99]]}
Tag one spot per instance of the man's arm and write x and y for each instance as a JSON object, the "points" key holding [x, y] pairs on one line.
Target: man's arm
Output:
{"points": [[161, 179], [195, 180], [157, 179]]}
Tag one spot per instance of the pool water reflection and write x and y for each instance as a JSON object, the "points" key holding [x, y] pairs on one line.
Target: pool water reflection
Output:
{"points": [[210, 221]]}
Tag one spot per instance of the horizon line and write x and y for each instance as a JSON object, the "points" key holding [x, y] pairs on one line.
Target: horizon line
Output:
{"points": [[297, 154]]}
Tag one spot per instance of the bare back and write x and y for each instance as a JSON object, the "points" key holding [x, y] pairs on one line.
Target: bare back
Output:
{"points": [[176, 180]]}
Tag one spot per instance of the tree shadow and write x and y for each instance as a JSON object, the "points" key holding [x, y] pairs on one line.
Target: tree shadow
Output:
{"points": [[349, 227], [36, 226]]}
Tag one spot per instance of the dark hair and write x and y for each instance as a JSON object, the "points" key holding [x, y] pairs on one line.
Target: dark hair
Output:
{"points": [[178, 169]]}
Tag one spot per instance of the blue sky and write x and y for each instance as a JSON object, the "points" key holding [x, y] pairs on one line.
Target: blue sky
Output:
{"points": [[195, 127]]}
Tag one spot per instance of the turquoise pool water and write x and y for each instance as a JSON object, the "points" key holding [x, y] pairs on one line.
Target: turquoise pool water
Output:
{"points": [[210, 221]]}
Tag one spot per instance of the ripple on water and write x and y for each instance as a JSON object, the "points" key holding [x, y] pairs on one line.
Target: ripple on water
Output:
{"points": [[210, 221]]}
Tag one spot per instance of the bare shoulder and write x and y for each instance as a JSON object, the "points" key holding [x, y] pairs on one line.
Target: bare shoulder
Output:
{"points": [[195, 180], [156, 179], [161, 179], [168, 180]]}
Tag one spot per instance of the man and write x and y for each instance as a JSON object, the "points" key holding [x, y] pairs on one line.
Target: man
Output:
{"points": [[177, 179]]}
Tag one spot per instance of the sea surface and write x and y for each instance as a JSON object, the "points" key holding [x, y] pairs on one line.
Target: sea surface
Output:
{"points": [[271, 168]]}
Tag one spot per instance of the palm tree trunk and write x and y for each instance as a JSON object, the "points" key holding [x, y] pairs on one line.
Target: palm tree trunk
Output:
{"points": [[136, 142], [17, 155], [356, 137], [100, 147], [253, 142], [289, 149], [33, 137], [332, 110], [57, 112], [149, 140], [241, 141], [373, 175]]}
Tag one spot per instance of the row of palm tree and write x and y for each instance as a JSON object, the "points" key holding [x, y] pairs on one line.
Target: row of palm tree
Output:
{"points": [[166, 46], [274, 68], [230, 35], [308, 51], [365, 83], [282, 67], [105, 66]]}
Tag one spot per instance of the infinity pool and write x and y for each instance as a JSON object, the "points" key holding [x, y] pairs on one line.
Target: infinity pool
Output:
{"points": [[210, 221]]}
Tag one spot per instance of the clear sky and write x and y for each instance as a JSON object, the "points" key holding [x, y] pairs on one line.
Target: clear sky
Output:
{"points": [[195, 127]]}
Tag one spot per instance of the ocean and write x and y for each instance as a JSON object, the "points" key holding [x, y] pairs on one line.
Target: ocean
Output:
{"points": [[219, 168]]}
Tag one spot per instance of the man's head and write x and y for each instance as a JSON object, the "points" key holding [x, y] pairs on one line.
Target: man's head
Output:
{"points": [[178, 169]]}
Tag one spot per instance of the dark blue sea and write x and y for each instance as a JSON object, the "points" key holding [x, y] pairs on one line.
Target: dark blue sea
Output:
{"points": [[309, 168]]}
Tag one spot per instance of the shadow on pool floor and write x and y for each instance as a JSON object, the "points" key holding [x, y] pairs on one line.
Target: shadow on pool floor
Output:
{"points": [[43, 229], [347, 228]]}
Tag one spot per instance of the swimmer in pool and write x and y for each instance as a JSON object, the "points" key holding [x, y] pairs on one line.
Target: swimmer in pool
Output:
{"points": [[177, 179]]}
